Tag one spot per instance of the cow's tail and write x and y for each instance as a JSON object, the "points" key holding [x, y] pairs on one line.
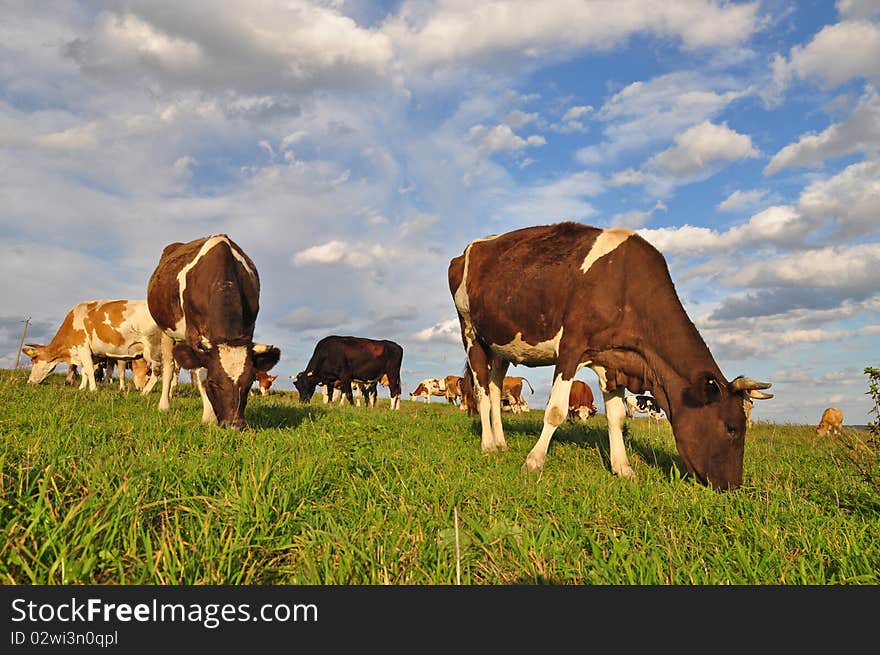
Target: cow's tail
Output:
{"points": [[528, 383]]}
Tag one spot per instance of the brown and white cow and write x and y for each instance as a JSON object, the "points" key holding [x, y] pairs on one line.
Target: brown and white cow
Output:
{"points": [[830, 423], [205, 296], [571, 295], [429, 387], [580, 401], [93, 329], [264, 382], [511, 394]]}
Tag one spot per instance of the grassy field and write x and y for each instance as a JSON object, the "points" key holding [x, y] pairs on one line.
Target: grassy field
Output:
{"points": [[100, 488]]}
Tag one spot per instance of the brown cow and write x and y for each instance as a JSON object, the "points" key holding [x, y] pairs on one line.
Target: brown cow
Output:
{"points": [[571, 295], [511, 394], [831, 422], [453, 388], [205, 295], [580, 401]]}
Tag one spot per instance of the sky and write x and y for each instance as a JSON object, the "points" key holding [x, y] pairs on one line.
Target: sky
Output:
{"points": [[352, 148]]}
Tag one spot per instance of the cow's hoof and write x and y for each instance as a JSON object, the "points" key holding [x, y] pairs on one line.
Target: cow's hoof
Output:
{"points": [[626, 472], [533, 465]]}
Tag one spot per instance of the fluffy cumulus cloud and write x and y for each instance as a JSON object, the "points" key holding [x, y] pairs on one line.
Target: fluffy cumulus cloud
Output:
{"points": [[451, 30], [860, 132], [830, 57], [502, 137], [447, 331], [701, 146], [342, 252], [741, 199], [284, 46], [650, 112], [850, 200]]}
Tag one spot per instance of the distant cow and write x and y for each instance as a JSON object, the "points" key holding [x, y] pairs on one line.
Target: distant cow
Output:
{"points": [[642, 404], [93, 329], [264, 382], [205, 295], [571, 295], [580, 401], [831, 422], [511, 394], [346, 359], [429, 387], [453, 388]]}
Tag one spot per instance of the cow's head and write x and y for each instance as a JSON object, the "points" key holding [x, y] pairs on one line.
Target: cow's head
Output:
{"points": [[305, 383], [231, 368], [710, 426], [43, 361], [420, 390]]}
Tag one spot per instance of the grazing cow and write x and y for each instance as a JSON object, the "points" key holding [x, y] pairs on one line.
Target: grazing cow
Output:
{"points": [[264, 382], [346, 359], [429, 387], [511, 394], [830, 423], [93, 330], [643, 404], [453, 388], [205, 296], [580, 401], [571, 295]]}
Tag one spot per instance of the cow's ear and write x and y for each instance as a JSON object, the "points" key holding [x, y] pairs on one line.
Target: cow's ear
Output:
{"points": [[705, 390], [265, 357], [189, 358], [30, 352]]}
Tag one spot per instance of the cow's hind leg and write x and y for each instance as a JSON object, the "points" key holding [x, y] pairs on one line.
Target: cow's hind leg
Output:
{"points": [[496, 383], [167, 368]]}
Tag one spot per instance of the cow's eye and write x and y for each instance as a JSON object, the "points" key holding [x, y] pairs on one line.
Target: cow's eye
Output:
{"points": [[731, 430]]}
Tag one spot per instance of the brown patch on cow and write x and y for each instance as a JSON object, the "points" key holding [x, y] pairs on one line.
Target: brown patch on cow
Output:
{"points": [[96, 319], [65, 338]]}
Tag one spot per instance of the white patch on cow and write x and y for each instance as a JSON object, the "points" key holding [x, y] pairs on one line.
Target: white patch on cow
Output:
{"points": [[232, 359], [460, 297], [607, 241], [542, 353]]}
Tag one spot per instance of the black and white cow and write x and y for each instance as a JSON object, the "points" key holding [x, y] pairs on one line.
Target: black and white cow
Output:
{"points": [[643, 404]]}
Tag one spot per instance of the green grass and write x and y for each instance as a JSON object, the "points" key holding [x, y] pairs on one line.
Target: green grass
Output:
{"points": [[101, 488]]}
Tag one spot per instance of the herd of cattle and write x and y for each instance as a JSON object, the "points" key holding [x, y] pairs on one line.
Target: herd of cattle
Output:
{"points": [[563, 295]]}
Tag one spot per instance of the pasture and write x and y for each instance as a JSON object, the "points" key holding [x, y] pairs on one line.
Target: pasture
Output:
{"points": [[101, 488]]}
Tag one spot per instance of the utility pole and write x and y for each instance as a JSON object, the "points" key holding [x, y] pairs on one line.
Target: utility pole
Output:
{"points": [[26, 322]]}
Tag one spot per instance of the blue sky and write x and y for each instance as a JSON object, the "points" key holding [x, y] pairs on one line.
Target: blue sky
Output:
{"points": [[352, 148]]}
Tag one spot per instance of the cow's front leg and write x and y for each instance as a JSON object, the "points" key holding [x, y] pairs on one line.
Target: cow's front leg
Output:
{"points": [[554, 415], [208, 415], [615, 412]]}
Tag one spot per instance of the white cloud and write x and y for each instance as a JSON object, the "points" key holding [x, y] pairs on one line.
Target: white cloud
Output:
{"points": [[831, 56], [285, 46], [858, 8], [649, 112], [448, 331], [850, 199], [501, 137], [698, 147], [636, 219], [860, 132], [741, 199], [342, 252], [628, 176], [455, 30]]}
